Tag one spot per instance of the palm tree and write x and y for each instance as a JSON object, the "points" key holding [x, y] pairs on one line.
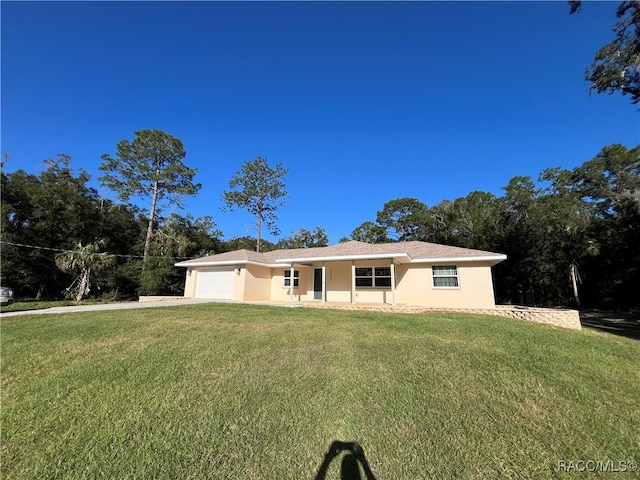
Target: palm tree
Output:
{"points": [[85, 259]]}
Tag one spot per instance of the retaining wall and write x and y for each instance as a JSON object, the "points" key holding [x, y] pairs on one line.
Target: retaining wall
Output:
{"points": [[551, 316], [160, 298]]}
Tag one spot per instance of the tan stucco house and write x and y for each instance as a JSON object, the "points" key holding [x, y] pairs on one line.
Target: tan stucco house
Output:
{"points": [[403, 273]]}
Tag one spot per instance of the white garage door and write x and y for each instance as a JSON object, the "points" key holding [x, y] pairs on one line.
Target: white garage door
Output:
{"points": [[215, 284]]}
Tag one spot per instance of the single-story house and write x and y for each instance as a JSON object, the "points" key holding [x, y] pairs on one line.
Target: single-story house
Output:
{"points": [[404, 273]]}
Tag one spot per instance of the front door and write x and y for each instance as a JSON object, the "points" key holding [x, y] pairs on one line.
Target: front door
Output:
{"points": [[317, 284]]}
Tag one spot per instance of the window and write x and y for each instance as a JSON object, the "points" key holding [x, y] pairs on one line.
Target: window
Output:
{"points": [[296, 278], [364, 277], [382, 276], [445, 276], [373, 277]]}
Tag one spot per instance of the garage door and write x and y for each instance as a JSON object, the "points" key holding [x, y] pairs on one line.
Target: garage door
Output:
{"points": [[215, 284]]}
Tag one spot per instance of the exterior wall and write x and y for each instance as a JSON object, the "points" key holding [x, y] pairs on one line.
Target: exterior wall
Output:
{"points": [[238, 283], [304, 291], [338, 282], [190, 283], [255, 283], [415, 287], [372, 294], [237, 287]]}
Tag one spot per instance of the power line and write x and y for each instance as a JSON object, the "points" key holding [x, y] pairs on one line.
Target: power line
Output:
{"points": [[36, 247]]}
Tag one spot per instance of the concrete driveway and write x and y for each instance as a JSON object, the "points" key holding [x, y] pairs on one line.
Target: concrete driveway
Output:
{"points": [[109, 306]]}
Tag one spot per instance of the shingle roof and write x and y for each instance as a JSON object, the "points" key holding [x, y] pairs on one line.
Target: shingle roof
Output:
{"points": [[237, 256], [409, 251]]}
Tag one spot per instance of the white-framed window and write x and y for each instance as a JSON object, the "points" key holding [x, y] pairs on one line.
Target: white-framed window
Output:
{"points": [[445, 276], [287, 278], [373, 276]]}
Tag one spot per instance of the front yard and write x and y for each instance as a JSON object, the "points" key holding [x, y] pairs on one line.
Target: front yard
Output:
{"points": [[237, 391]]}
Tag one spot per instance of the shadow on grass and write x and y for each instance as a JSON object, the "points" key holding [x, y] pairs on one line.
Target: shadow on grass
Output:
{"points": [[622, 324], [349, 468]]}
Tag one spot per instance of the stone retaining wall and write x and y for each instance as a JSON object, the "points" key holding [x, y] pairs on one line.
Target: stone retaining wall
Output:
{"points": [[159, 298], [551, 316]]}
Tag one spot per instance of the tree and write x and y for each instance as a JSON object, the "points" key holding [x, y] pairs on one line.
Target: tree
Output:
{"points": [[469, 222], [53, 210], [616, 66], [262, 191], [521, 230], [123, 225], [188, 237], [305, 239], [609, 184], [149, 166], [611, 181], [248, 243], [176, 238], [567, 223], [84, 260], [441, 223], [369, 232], [404, 218]]}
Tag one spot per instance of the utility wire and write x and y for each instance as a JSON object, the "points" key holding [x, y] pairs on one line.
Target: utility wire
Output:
{"points": [[35, 247]]}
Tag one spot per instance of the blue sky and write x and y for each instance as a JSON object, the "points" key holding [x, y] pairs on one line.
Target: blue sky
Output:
{"points": [[364, 102]]}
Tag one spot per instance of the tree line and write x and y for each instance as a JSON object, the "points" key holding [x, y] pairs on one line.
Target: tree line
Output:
{"points": [[572, 237]]}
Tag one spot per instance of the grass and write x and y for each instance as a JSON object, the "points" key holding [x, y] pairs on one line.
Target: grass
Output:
{"points": [[237, 391], [27, 304], [34, 305]]}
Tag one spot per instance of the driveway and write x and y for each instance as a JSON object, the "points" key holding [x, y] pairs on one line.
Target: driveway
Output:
{"points": [[618, 323], [109, 306]]}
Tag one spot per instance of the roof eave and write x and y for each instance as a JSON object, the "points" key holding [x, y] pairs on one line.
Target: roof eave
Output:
{"points": [[492, 259], [401, 257], [223, 263]]}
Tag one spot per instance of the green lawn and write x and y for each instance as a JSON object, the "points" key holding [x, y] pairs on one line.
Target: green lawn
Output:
{"points": [[34, 305], [22, 305], [233, 391]]}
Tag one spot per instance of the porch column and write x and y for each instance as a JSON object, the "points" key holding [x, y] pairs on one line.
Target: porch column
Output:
{"points": [[353, 281], [324, 283], [393, 283], [291, 284]]}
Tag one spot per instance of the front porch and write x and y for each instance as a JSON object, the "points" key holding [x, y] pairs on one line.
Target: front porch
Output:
{"points": [[356, 282]]}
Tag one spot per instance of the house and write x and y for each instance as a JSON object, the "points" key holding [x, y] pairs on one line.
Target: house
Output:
{"points": [[403, 273]]}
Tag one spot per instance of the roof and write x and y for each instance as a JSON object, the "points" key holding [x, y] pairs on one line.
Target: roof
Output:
{"points": [[402, 252]]}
